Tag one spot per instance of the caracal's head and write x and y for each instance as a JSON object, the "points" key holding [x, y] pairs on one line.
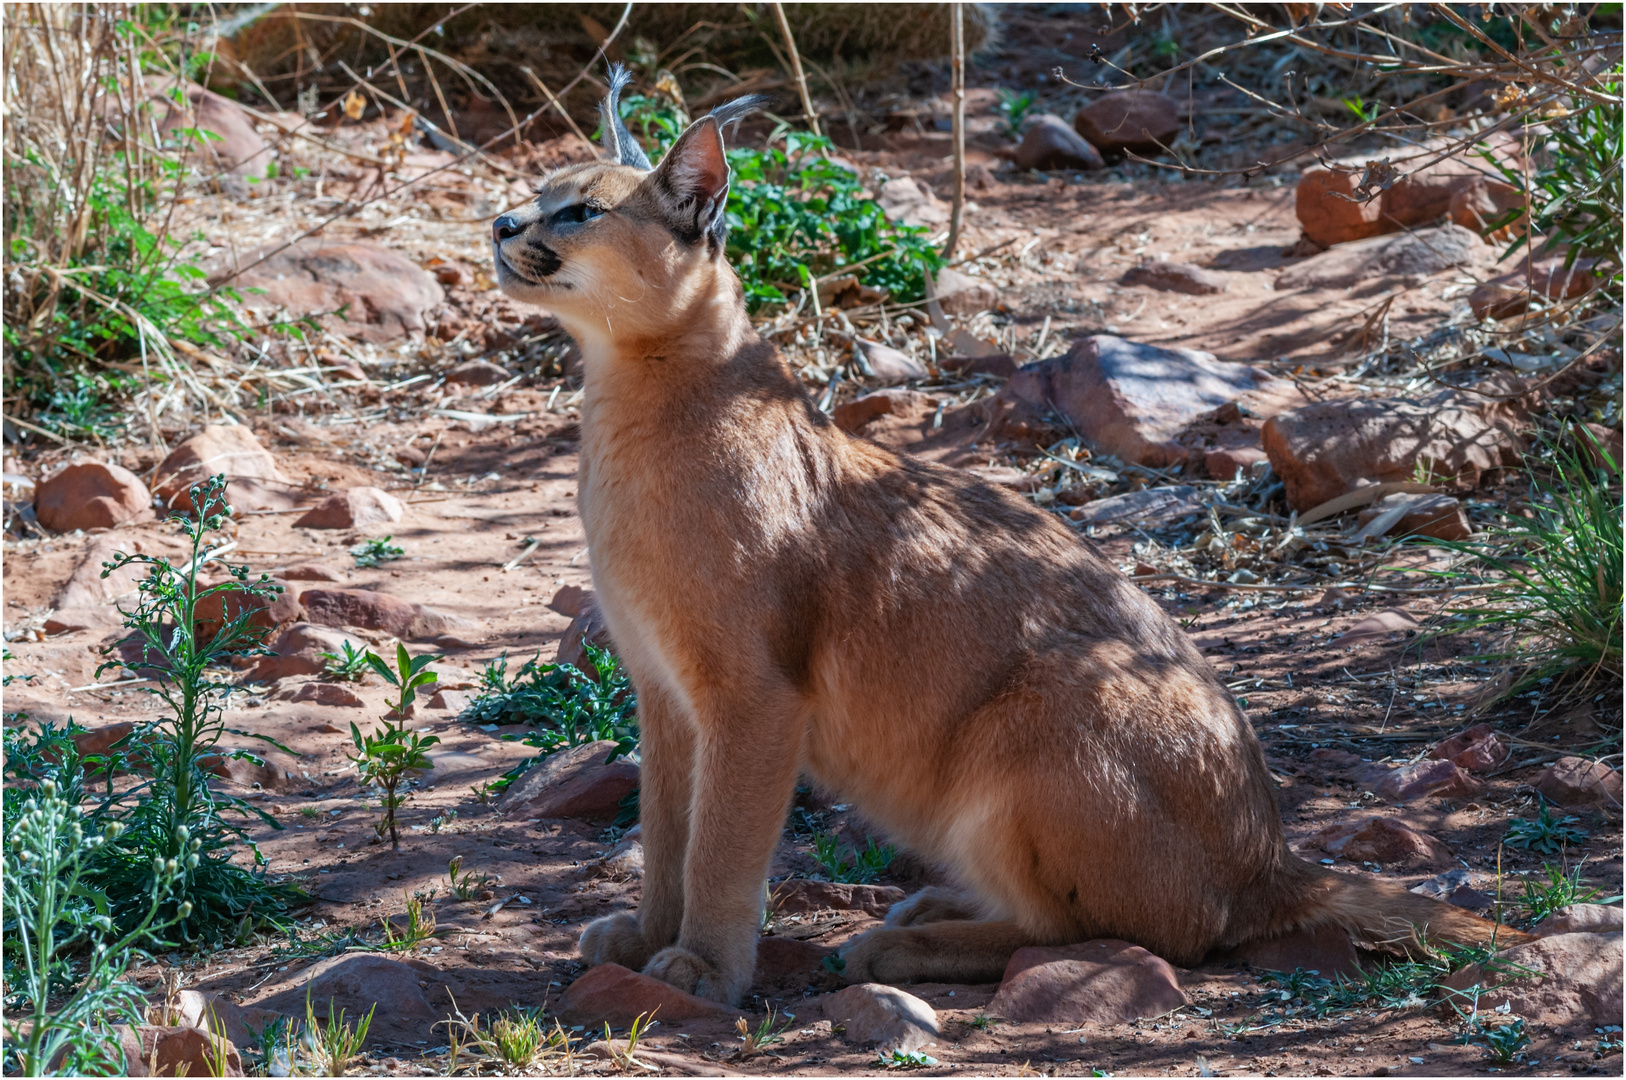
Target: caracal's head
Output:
{"points": [[619, 250]]}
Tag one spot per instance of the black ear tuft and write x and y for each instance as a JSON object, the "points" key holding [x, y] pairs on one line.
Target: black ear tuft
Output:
{"points": [[692, 180], [618, 141]]}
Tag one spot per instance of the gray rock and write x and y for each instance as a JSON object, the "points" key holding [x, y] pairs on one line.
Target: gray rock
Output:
{"points": [[882, 1016], [1050, 143], [1420, 253]]}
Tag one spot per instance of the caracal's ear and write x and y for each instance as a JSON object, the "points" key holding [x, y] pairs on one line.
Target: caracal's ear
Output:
{"points": [[618, 141], [691, 184]]}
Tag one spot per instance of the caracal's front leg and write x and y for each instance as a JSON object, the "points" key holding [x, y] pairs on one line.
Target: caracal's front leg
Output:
{"points": [[746, 764], [666, 739]]}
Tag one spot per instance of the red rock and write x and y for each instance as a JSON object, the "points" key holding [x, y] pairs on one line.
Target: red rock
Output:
{"points": [[96, 742], [375, 611], [1557, 981], [610, 994], [1132, 400], [1335, 759], [387, 296], [1381, 840], [181, 1051], [573, 783], [1574, 781], [262, 775], [478, 373], [788, 960], [91, 495], [1128, 120], [1415, 254], [963, 294], [851, 416], [881, 1016], [311, 572], [906, 200], [1326, 950], [800, 895], [239, 148], [1330, 212], [587, 628], [1049, 143], [1498, 299], [1378, 626], [452, 700], [86, 590], [353, 508], [229, 449], [322, 693], [1438, 516], [1177, 277], [1581, 919], [1437, 779], [73, 620], [222, 1016], [1001, 365], [299, 651], [571, 600], [1331, 448], [356, 982], [887, 365], [1481, 203], [1224, 462], [1102, 982], [269, 612], [1476, 750]]}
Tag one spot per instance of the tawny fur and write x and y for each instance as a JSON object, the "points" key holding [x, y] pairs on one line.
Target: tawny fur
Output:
{"points": [[791, 600]]}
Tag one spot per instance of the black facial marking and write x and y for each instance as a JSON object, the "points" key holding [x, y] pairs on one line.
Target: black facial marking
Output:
{"points": [[543, 261]]}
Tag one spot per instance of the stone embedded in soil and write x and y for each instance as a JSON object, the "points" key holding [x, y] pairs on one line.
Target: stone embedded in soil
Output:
{"points": [[1331, 448], [264, 612], [570, 600], [1327, 950], [386, 295], [1147, 506], [375, 611], [1050, 143], [1102, 982], [311, 572], [219, 1014], [587, 628], [1128, 120], [1577, 782], [1476, 750], [1401, 514], [1381, 840], [1131, 399], [905, 199], [1337, 760], [965, 295], [1572, 979], [884, 1017], [1423, 779], [478, 373], [1498, 300], [624, 862], [323, 693], [573, 783], [1425, 252], [888, 365], [263, 775], [91, 495], [88, 591], [801, 896], [451, 700], [298, 651], [228, 449], [1581, 919], [98, 741], [1378, 626], [1006, 477], [1176, 277], [851, 416], [611, 994], [237, 149], [354, 508], [175, 1051], [356, 982]]}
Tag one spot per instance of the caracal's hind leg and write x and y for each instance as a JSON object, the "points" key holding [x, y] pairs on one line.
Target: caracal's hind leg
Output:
{"points": [[959, 951], [933, 904]]}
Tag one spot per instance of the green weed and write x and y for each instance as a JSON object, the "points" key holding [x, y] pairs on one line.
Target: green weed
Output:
{"points": [[516, 1040], [906, 1059], [349, 665], [420, 923], [466, 884], [849, 864], [376, 551], [384, 757], [1014, 109], [1544, 833], [755, 1040], [335, 1046], [1393, 984], [1560, 889]]}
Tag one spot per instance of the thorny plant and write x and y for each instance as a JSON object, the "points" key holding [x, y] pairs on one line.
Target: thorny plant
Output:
{"points": [[178, 648], [392, 752], [1544, 833], [1393, 984]]}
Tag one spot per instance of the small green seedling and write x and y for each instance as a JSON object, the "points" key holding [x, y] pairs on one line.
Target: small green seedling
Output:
{"points": [[754, 1040], [466, 885], [906, 1059], [420, 923], [336, 1045], [385, 756], [347, 666], [375, 551], [1545, 833], [309, 811], [860, 866], [1505, 1042], [1014, 109]]}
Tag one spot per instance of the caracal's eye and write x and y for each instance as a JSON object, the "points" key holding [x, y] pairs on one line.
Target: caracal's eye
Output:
{"points": [[575, 215]]}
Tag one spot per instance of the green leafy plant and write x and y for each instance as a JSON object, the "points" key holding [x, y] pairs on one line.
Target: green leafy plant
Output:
{"points": [[517, 1039], [565, 706], [1014, 109], [349, 665], [466, 884], [1392, 984], [418, 926], [53, 911], [755, 1040], [1557, 575], [1504, 1042], [906, 1059], [1560, 889], [981, 1022], [335, 1045], [181, 652], [845, 863], [1544, 833], [376, 551], [387, 755]]}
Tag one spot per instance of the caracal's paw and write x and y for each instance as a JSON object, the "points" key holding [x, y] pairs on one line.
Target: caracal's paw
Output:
{"points": [[882, 955], [614, 939], [691, 973], [929, 905]]}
